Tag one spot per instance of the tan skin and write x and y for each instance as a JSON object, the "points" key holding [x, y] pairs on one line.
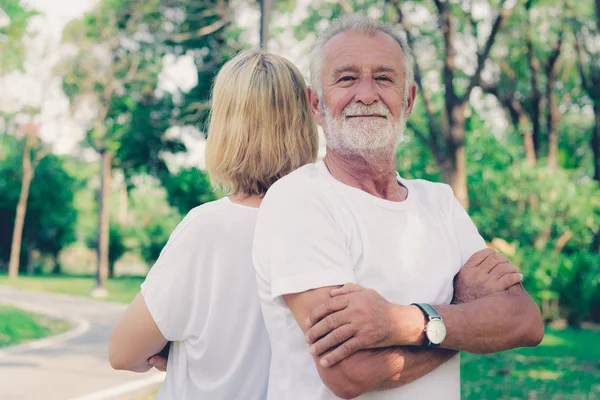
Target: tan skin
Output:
{"points": [[135, 340], [369, 69]]}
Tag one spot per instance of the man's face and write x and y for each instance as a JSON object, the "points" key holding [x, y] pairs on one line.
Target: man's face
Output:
{"points": [[362, 109]]}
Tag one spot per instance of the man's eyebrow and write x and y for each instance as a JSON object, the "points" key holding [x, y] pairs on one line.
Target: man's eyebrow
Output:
{"points": [[346, 68], [383, 68]]}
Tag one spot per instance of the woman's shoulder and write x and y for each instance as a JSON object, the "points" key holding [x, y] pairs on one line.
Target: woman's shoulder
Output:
{"points": [[207, 220]]}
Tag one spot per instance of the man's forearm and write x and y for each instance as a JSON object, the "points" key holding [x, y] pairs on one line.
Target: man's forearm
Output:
{"points": [[494, 323], [381, 369]]}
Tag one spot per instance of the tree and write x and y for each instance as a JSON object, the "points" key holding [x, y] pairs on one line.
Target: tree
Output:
{"points": [[115, 70], [527, 78], [12, 49], [51, 217], [446, 135], [29, 163], [587, 35]]}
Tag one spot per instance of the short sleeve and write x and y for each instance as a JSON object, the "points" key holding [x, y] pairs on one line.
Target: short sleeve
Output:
{"points": [[169, 286], [468, 237], [299, 243]]}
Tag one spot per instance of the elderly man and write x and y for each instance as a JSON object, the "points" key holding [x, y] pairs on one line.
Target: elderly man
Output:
{"points": [[351, 220]]}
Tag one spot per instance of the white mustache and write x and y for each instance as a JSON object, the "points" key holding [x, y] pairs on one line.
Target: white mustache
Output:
{"points": [[357, 109]]}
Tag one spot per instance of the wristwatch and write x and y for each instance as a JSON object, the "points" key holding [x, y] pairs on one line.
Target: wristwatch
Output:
{"points": [[435, 329]]}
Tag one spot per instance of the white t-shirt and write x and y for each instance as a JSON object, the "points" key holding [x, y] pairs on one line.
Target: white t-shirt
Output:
{"points": [[314, 231], [202, 295]]}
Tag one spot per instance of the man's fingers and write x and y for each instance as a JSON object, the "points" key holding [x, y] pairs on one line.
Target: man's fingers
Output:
{"points": [[323, 310], [502, 269], [479, 257], [324, 326], [509, 280], [333, 339], [158, 362], [346, 289], [492, 261], [343, 351]]}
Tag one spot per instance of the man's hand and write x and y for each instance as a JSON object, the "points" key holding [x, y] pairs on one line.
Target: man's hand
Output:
{"points": [[357, 318], [158, 362], [486, 272]]}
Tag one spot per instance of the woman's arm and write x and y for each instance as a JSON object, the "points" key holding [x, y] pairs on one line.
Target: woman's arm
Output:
{"points": [[135, 338]]}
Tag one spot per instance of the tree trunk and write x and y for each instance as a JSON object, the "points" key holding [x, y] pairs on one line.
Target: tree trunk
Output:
{"points": [[103, 217], [595, 142], [111, 270], [15, 250], [458, 164], [528, 145], [30, 259], [123, 204], [265, 16], [57, 270], [553, 121], [536, 96]]}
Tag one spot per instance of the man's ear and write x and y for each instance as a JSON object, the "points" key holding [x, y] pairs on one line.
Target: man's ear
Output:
{"points": [[315, 105], [410, 102]]}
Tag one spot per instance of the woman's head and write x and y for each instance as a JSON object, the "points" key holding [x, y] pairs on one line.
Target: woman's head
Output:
{"points": [[261, 127]]}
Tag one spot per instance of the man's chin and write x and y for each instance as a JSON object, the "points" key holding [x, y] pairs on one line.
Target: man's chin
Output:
{"points": [[367, 153]]}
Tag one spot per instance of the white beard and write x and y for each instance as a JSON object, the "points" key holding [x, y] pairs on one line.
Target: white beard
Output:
{"points": [[373, 139]]}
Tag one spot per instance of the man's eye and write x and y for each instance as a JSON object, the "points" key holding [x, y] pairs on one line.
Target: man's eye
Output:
{"points": [[347, 78], [383, 78]]}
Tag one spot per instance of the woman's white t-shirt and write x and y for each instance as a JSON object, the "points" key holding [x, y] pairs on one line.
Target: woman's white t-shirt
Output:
{"points": [[202, 295]]}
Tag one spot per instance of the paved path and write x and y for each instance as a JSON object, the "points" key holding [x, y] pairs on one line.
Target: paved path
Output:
{"points": [[70, 366]]}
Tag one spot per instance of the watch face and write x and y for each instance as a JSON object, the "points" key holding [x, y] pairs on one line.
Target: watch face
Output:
{"points": [[436, 331]]}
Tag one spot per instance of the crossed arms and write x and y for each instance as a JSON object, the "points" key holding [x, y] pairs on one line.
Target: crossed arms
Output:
{"points": [[359, 340]]}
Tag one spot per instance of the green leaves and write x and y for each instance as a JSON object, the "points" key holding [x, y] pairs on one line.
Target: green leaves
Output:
{"points": [[14, 17]]}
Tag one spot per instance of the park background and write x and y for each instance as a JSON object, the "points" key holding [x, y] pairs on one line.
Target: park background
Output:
{"points": [[103, 105]]}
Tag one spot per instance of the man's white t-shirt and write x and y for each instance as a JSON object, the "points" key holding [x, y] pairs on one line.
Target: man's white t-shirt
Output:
{"points": [[314, 231], [202, 295]]}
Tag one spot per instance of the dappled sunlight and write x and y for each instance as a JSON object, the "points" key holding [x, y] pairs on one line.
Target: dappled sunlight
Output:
{"points": [[553, 340]]}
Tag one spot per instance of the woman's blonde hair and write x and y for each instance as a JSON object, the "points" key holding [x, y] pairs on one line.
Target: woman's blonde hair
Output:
{"points": [[261, 127]]}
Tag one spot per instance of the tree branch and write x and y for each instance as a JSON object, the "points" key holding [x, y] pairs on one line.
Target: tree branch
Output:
{"points": [[579, 50], [482, 56], [402, 20], [424, 139], [447, 27], [204, 31]]}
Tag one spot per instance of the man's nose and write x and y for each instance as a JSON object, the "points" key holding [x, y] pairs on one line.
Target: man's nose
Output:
{"points": [[366, 91]]}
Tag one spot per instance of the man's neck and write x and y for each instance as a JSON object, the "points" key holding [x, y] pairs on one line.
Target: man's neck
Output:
{"points": [[378, 178]]}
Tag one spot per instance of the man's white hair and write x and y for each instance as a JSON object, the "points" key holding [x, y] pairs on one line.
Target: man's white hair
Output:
{"points": [[360, 23]]}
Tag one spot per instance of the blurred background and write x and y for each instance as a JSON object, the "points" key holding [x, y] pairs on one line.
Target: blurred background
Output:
{"points": [[102, 129]]}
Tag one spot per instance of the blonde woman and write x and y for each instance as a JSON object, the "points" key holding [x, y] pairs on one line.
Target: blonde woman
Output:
{"points": [[201, 294]]}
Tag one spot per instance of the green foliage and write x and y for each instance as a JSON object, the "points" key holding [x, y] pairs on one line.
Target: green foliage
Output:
{"points": [[151, 221], [12, 49], [529, 205], [51, 216], [116, 68], [188, 188]]}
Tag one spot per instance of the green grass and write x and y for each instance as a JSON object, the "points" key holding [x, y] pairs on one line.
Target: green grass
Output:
{"points": [[566, 365], [17, 326], [122, 289]]}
